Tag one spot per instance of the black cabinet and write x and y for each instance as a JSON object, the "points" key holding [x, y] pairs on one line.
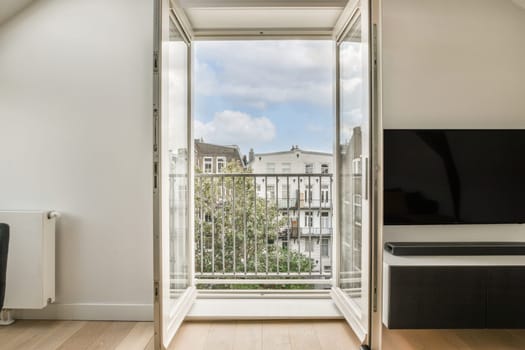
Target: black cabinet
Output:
{"points": [[456, 297], [506, 297]]}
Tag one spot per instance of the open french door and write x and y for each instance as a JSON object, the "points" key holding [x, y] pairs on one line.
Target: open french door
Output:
{"points": [[173, 175], [353, 275]]}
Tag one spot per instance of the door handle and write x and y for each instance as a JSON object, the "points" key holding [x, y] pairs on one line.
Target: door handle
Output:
{"points": [[366, 175]]}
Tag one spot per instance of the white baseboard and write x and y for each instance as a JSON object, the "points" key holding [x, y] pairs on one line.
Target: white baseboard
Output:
{"points": [[90, 312], [209, 309]]}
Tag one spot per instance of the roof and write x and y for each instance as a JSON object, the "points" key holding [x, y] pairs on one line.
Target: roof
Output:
{"points": [[218, 150], [293, 150]]}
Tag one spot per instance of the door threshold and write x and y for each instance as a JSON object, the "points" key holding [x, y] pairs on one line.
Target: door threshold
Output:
{"points": [[257, 308], [264, 294]]}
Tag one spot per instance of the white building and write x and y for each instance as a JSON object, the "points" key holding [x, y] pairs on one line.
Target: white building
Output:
{"points": [[300, 183]]}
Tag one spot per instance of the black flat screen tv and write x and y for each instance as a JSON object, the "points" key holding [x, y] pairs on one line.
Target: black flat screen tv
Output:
{"points": [[435, 177]]}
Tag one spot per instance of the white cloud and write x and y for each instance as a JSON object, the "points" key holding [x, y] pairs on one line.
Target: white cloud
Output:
{"points": [[353, 102], [234, 127], [258, 73]]}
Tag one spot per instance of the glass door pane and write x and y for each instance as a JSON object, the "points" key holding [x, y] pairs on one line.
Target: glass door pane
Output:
{"points": [[352, 289], [173, 182], [176, 165]]}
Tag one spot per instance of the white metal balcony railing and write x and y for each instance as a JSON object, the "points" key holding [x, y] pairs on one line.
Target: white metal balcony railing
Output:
{"points": [[294, 202], [316, 231], [255, 230]]}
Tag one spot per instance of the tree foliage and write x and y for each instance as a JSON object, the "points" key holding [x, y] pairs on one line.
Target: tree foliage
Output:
{"points": [[236, 230]]}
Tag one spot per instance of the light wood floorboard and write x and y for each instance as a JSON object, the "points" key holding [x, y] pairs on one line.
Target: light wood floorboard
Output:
{"points": [[265, 335], [275, 336], [336, 335], [193, 333], [248, 335], [457, 339], [76, 335], [138, 338]]}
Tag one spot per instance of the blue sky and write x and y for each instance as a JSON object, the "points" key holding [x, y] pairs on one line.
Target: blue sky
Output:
{"points": [[268, 95]]}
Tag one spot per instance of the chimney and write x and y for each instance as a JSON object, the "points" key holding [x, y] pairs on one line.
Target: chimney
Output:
{"points": [[251, 156]]}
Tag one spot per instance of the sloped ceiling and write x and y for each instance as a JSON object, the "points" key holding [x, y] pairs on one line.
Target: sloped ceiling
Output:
{"points": [[9, 8]]}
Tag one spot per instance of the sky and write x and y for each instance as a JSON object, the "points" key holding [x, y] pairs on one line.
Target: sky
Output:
{"points": [[266, 95]]}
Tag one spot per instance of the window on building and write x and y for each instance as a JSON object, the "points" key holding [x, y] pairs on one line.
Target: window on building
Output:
{"points": [[324, 168], [208, 165], [356, 166], [271, 191], [309, 245], [308, 194], [309, 168], [221, 163], [324, 194], [308, 219], [325, 220], [270, 168], [180, 194], [325, 247], [284, 191], [286, 168]]}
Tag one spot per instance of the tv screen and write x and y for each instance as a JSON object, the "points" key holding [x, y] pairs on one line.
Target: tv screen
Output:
{"points": [[436, 177]]}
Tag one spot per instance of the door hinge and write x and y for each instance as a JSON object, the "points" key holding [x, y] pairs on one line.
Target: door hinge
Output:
{"points": [[155, 61], [374, 302], [374, 45], [155, 175], [156, 290], [155, 129]]}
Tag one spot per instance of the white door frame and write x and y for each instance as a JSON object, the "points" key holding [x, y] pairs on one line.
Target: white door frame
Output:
{"points": [[375, 323], [372, 335], [376, 160], [167, 321]]}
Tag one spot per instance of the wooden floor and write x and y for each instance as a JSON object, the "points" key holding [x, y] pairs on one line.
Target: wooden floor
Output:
{"points": [[76, 335], [266, 335], [458, 339], [245, 335]]}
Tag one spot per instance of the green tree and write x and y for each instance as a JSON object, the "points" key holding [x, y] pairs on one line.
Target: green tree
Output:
{"points": [[238, 231]]}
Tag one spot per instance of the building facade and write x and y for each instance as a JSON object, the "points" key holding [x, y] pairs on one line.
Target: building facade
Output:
{"points": [[300, 183], [211, 158]]}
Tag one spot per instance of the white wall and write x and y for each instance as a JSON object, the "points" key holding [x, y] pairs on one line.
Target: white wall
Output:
{"points": [[454, 64], [75, 136]]}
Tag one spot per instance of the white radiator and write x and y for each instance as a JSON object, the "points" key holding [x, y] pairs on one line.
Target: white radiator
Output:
{"points": [[30, 281]]}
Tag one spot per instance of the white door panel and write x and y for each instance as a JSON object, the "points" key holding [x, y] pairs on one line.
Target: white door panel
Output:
{"points": [[351, 291], [174, 290]]}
